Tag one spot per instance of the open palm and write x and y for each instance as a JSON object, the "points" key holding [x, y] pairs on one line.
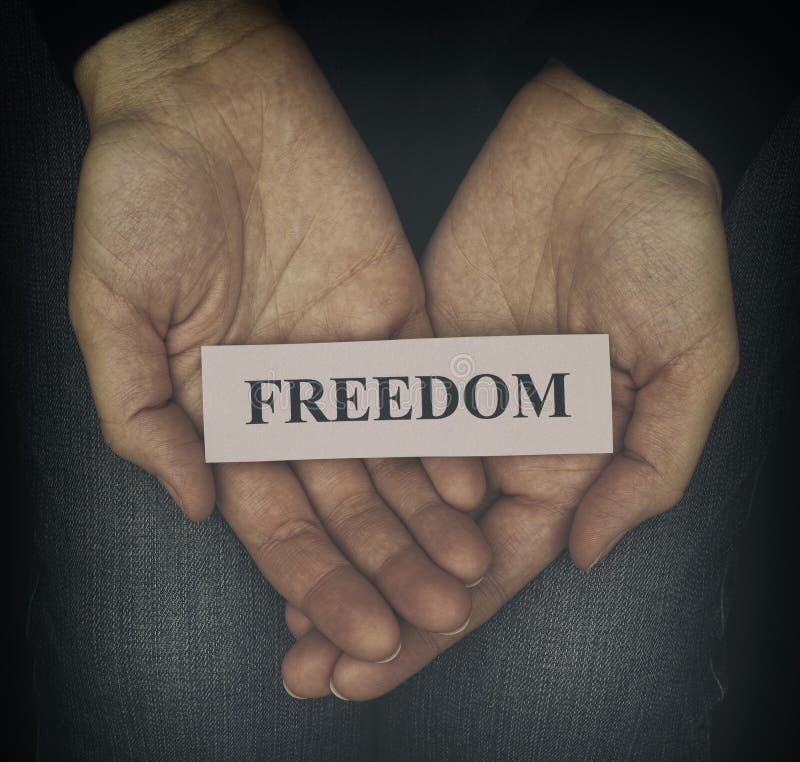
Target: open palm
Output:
{"points": [[230, 201], [580, 215]]}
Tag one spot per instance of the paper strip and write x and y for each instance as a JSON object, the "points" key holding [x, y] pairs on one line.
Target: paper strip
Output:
{"points": [[489, 395]]}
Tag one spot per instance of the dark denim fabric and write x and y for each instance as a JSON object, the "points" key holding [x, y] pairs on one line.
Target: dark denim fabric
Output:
{"points": [[155, 639]]}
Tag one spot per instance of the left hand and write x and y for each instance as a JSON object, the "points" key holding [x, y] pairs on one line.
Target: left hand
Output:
{"points": [[580, 215], [225, 198]]}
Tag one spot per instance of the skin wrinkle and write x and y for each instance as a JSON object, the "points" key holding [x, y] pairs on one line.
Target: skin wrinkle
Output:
{"points": [[256, 188], [561, 317], [320, 123], [547, 250], [400, 552], [255, 170], [666, 306], [246, 217], [493, 588], [536, 275], [227, 238], [124, 125], [155, 160], [528, 534], [276, 283], [132, 269], [117, 258], [534, 281], [284, 532], [444, 312], [672, 302], [319, 586], [536, 468], [355, 269], [341, 513], [126, 305], [192, 317], [497, 275], [211, 174], [547, 84], [615, 219], [464, 256], [149, 84], [421, 509], [415, 312], [677, 357], [107, 422], [548, 504], [433, 643], [202, 331]]}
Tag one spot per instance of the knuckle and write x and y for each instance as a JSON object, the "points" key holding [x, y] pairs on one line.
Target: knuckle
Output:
{"points": [[321, 586], [288, 533], [390, 469], [180, 454], [423, 507], [609, 508], [392, 558], [357, 508]]}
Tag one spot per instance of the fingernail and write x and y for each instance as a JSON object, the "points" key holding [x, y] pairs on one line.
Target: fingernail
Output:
{"points": [[460, 629], [475, 583], [293, 695], [336, 693], [606, 551], [392, 657]]}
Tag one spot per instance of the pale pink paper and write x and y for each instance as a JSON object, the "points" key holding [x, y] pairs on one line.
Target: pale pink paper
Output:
{"points": [[227, 404]]}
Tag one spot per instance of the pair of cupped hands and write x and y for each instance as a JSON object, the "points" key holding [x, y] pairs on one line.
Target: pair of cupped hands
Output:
{"points": [[225, 198]]}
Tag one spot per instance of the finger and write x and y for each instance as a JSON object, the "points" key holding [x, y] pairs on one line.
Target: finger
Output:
{"points": [[525, 534], [297, 622], [524, 541], [451, 538], [267, 508], [307, 667], [461, 482], [129, 375], [376, 541], [672, 416]]}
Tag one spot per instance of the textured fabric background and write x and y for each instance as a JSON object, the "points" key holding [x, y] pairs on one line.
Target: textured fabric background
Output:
{"points": [[155, 639]]}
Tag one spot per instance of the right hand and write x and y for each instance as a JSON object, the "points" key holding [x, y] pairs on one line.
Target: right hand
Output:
{"points": [[580, 215], [226, 199]]}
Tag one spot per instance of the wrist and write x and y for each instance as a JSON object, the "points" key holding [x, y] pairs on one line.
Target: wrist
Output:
{"points": [[118, 75]]}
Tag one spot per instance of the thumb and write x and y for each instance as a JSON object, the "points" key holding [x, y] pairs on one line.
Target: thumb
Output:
{"points": [[129, 375], [672, 416]]}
